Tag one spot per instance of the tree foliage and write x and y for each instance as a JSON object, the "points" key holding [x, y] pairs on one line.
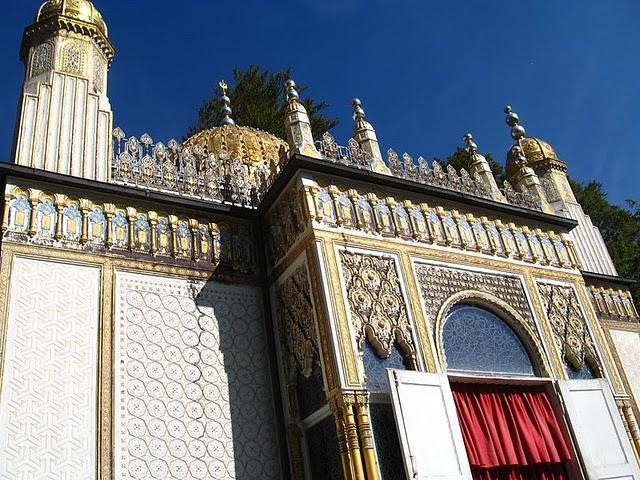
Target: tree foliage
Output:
{"points": [[258, 99]]}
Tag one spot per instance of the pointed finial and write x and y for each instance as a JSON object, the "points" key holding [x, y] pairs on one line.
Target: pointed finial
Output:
{"points": [[292, 93], [472, 148], [358, 112], [226, 108], [513, 120]]}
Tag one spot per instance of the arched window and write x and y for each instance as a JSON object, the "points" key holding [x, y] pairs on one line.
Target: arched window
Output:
{"points": [[478, 341]]}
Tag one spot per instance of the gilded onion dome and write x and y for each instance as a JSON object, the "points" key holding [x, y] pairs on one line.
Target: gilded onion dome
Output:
{"points": [[82, 10], [251, 145], [538, 154]]}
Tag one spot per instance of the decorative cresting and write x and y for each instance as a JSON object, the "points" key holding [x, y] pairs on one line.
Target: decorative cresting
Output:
{"points": [[612, 304], [569, 326], [55, 219], [420, 172], [297, 323], [518, 319], [364, 211], [226, 164], [377, 304]]}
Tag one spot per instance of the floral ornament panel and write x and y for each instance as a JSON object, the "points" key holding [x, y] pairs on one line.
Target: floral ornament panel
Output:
{"points": [[569, 327], [297, 323], [377, 304], [19, 214]]}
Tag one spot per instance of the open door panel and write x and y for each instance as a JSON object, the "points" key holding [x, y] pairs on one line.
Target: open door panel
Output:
{"points": [[428, 426], [598, 430]]}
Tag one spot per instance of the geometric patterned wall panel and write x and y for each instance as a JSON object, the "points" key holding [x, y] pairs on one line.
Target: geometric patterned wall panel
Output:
{"points": [[193, 387], [48, 407]]}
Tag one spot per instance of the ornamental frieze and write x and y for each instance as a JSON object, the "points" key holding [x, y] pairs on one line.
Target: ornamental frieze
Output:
{"points": [[569, 326], [377, 304], [55, 219], [286, 221], [423, 223], [612, 304]]}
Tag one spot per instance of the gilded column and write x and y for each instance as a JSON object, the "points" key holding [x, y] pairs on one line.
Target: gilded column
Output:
{"points": [[109, 211], [131, 216], [153, 221], [343, 406], [366, 437], [85, 206], [59, 201]]}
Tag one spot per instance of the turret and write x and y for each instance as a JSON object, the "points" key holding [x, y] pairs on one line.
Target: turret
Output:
{"points": [[64, 121], [297, 124], [365, 135]]}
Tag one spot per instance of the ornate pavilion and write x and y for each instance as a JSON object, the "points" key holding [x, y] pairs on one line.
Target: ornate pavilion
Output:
{"points": [[241, 306]]}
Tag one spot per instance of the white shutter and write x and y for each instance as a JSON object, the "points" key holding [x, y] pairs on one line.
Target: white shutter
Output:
{"points": [[428, 426], [598, 430]]}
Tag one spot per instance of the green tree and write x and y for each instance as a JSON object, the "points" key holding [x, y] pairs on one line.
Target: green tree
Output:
{"points": [[258, 99], [461, 159], [620, 228]]}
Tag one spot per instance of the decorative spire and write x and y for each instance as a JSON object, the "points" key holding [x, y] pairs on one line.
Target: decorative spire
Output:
{"points": [[292, 93], [472, 148], [297, 124], [358, 112], [481, 169], [513, 120], [226, 109]]}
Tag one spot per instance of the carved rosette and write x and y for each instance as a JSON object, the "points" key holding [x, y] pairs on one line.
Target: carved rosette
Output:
{"points": [[569, 326], [377, 304]]}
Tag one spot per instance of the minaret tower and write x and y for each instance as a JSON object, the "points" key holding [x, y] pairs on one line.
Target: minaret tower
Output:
{"points": [[64, 121]]}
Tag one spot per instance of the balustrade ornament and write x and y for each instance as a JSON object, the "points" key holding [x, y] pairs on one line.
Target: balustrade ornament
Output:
{"points": [[187, 171], [352, 155]]}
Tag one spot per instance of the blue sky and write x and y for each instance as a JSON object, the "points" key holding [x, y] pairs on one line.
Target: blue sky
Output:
{"points": [[426, 71]]}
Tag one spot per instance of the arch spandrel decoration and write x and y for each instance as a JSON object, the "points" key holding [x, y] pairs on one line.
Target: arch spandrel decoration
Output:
{"points": [[379, 313], [569, 327], [525, 333]]}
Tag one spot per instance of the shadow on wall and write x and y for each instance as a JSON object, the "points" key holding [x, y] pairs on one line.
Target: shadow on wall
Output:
{"points": [[235, 376]]}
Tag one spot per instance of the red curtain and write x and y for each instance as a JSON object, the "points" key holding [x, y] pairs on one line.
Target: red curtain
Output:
{"points": [[510, 432]]}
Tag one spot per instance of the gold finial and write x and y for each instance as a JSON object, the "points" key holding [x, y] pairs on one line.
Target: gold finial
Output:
{"points": [[472, 148], [223, 87], [226, 108], [358, 112]]}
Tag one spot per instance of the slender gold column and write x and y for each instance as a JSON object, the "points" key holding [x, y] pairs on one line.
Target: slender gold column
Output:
{"points": [[366, 437], [630, 424], [195, 248], [5, 214], [59, 201], [131, 216], [85, 206], [109, 211], [153, 221], [343, 446], [173, 224]]}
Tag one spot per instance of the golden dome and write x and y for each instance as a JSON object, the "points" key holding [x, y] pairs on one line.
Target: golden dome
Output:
{"points": [[537, 150], [249, 144], [82, 10]]}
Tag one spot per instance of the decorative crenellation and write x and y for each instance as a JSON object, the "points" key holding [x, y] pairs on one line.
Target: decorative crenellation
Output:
{"points": [[435, 225], [569, 326], [613, 304], [377, 304], [190, 171], [56, 219], [444, 177]]}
